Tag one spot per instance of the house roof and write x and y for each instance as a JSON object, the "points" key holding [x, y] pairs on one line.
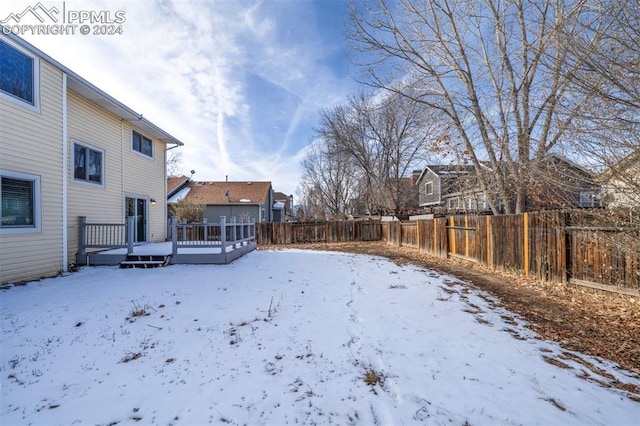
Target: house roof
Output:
{"points": [[174, 183], [280, 196], [447, 170], [628, 162], [99, 97], [238, 192]]}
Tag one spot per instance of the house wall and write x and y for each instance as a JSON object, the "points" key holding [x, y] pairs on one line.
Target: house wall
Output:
{"points": [[126, 172], [425, 199], [266, 207], [31, 143], [93, 126], [623, 192], [213, 212], [145, 178]]}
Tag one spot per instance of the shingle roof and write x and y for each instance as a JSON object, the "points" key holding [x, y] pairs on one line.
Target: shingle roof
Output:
{"points": [[173, 182], [280, 196], [239, 192]]}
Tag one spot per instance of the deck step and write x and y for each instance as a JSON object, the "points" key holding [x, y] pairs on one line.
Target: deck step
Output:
{"points": [[145, 261]]}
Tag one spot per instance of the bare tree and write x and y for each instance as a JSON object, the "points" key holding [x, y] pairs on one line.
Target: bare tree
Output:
{"points": [[174, 163], [186, 210], [610, 125], [498, 71], [386, 137], [327, 179]]}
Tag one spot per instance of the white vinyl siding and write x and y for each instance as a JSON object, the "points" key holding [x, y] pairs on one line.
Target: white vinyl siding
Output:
{"points": [[145, 177], [125, 172], [32, 144], [99, 130]]}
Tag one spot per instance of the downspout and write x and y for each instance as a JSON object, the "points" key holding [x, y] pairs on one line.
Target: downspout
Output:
{"points": [[65, 172], [123, 146], [165, 211]]}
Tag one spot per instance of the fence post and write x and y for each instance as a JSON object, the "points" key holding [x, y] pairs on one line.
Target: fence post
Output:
{"points": [[184, 230], [234, 229], [130, 231], [82, 234], [466, 235], [451, 247], [174, 235], [206, 229], [418, 235], [435, 237], [489, 239], [525, 217], [223, 233]]}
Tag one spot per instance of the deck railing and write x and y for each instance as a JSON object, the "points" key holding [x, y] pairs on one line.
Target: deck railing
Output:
{"points": [[220, 235], [105, 235], [207, 235]]}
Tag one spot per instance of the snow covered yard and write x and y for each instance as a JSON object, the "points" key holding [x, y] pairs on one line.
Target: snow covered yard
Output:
{"points": [[287, 337]]}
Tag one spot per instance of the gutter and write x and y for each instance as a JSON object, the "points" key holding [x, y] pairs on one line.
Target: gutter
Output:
{"points": [[123, 111]]}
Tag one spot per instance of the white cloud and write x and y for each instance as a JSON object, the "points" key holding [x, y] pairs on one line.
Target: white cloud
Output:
{"points": [[187, 65]]}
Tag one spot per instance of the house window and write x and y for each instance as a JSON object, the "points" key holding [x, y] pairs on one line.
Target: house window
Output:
{"points": [[588, 199], [453, 203], [142, 144], [19, 76], [20, 201], [428, 188], [88, 164], [471, 204]]}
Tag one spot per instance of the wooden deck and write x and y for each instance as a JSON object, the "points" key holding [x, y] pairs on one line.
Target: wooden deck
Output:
{"points": [[193, 243]]}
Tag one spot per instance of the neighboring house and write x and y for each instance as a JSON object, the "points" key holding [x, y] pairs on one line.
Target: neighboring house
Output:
{"points": [[248, 200], [175, 184], [69, 150], [450, 188], [622, 182], [557, 183], [282, 207], [561, 183]]}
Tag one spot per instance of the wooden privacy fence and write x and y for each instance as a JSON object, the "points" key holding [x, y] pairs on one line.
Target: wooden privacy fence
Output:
{"points": [[547, 245], [327, 232]]}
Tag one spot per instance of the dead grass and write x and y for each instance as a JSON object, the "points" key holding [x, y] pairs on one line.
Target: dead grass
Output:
{"points": [[130, 357], [372, 378]]}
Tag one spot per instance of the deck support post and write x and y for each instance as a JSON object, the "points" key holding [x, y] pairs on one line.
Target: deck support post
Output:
{"points": [[81, 235], [174, 235], [130, 232], [223, 233]]}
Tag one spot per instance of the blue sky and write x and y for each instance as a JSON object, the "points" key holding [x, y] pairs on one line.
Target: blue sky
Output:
{"points": [[240, 82]]}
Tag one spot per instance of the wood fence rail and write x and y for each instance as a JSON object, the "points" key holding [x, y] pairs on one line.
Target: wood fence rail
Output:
{"points": [[545, 245], [558, 246], [327, 232]]}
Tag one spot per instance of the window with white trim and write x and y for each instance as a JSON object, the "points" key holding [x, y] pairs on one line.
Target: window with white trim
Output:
{"points": [[20, 202], [19, 76], [428, 188], [142, 144], [88, 164]]}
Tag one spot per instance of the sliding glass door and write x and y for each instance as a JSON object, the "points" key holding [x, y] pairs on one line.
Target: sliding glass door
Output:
{"points": [[137, 207]]}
